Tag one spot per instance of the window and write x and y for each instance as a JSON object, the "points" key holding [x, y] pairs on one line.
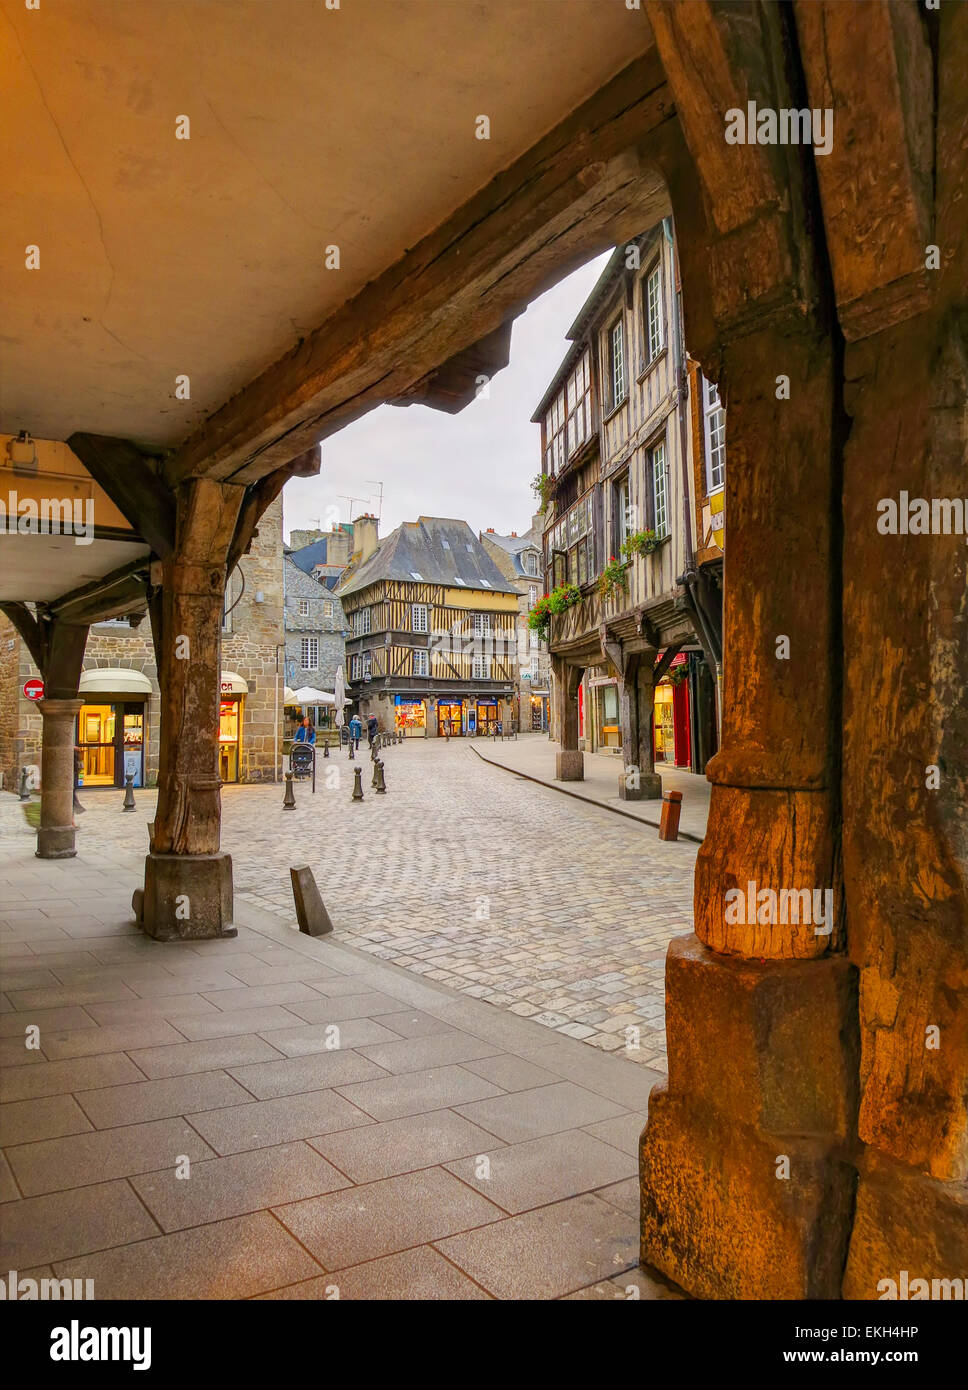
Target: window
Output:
{"points": [[535, 640], [531, 562], [304, 608], [309, 653], [573, 545], [327, 610], [481, 668], [356, 667], [652, 314], [714, 417], [534, 668], [418, 617], [615, 352], [622, 517], [367, 664], [659, 496], [482, 624], [421, 663], [361, 622], [532, 595], [568, 421]]}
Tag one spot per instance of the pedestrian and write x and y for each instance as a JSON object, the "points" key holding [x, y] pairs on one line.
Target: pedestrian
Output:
{"points": [[372, 727], [305, 733], [356, 732]]}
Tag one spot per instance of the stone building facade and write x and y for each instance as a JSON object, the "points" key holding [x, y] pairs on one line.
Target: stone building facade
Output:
{"points": [[315, 629], [519, 558], [118, 726]]}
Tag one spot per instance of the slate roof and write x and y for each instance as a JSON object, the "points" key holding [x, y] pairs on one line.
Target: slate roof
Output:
{"points": [[432, 550], [309, 555], [515, 547]]}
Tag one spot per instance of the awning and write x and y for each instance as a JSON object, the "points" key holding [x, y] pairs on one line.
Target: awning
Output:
{"points": [[233, 684], [114, 680]]}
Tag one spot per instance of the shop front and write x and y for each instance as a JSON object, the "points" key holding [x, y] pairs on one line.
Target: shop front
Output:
{"points": [[112, 727], [486, 717], [672, 720], [232, 692], [538, 712], [410, 716], [450, 718], [607, 728]]}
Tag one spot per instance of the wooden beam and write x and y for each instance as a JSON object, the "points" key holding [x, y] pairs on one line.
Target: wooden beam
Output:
{"points": [[29, 629], [589, 183], [139, 493], [120, 592], [260, 496]]}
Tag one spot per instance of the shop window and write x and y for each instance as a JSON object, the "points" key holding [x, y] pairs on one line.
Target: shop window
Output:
{"points": [[309, 653], [421, 663], [714, 421], [659, 491], [418, 617]]}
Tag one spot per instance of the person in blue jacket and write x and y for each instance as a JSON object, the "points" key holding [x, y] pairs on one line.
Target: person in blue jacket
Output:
{"points": [[356, 731], [305, 733]]}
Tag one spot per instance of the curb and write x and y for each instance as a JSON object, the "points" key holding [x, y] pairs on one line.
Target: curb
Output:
{"points": [[589, 800]]}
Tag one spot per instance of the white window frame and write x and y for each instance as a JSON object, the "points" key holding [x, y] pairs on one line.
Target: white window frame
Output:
{"points": [[361, 622], [421, 662], [327, 610], [654, 316], [367, 664], [616, 358], [534, 641], [303, 607], [660, 490], [356, 666], [482, 624], [532, 595], [623, 505], [531, 563], [419, 617], [309, 653], [481, 668], [714, 430]]}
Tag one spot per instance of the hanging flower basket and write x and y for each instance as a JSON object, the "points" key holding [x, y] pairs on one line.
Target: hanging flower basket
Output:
{"points": [[613, 576], [641, 543]]}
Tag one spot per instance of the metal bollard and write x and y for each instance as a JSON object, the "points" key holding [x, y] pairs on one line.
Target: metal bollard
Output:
{"points": [[357, 784], [669, 820], [289, 802], [381, 786], [325, 748], [373, 779], [351, 750], [128, 793]]}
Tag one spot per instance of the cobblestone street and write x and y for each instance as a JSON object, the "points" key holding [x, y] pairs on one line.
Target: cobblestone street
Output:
{"points": [[552, 908]]}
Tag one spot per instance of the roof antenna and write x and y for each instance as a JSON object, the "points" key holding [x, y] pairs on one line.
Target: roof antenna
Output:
{"points": [[375, 483]]}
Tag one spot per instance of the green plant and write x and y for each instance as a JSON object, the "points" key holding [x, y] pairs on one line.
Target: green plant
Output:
{"points": [[560, 598], [641, 543], [543, 488], [613, 576]]}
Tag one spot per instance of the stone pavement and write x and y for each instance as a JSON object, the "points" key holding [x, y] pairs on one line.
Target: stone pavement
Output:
{"points": [[550, 907], [533, 755], [281, 1117]]}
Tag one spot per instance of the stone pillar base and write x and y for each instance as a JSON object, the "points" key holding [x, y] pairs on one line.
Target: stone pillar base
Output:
{"points": [[907, 1226], [570, 765], [55, 842], [747, 1185], [186, 897], [649, 788]]}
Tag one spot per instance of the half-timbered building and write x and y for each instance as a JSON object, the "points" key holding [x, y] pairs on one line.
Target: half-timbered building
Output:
{"points": [[432, 647]]}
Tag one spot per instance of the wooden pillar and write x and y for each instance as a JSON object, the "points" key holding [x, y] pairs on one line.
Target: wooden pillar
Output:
{"points": [[63, 645], [188, 882], [570, 761], [747, 1187], [638, 780]]}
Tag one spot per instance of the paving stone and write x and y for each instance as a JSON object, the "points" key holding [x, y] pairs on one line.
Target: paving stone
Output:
{"points": [[419, 1054], [237, 996], [182, 1058], [337, 1008], [379, 1218], [48, 1117], [622, 1132], [522, 1176], [413, 1092], [413, 1023], [63, 1224], [53, 1164], [548, 1252], [401, 1146], [225, 1025], [221, 1187], [9, 1192], [261, 1123], [539, 1111], [60, 997], [511, 1073], [633, 1284], [56, 1078], [312, 1072], [319, 1037], [420, 1274], [157, 1100], [233, 1259], [13, 1024], [624, 1195]]}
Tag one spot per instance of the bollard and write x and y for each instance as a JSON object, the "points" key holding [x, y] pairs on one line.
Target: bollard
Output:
{"points": [[669, 820], [381, 786], [373, 779], [128, 793], [351, 750], [310, 908], [357, 784], [289, 801], [325, 749], [24, 790]]}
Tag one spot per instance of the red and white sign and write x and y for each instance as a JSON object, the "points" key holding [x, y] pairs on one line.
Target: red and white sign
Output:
{"points": [[34, 689]]}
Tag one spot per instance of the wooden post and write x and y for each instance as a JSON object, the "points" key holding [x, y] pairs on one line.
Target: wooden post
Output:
{"points": [[570, 762]]}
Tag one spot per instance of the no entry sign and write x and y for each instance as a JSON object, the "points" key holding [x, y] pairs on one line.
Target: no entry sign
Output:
{"points": [[34, 689]]}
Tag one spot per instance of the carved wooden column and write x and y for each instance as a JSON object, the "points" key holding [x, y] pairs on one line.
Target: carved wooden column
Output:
{"points": [[747, 1185], [638, 780], [188, 882]]}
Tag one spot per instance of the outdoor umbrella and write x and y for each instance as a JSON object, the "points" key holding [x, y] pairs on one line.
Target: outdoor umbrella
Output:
{"points": [[339, 697]]}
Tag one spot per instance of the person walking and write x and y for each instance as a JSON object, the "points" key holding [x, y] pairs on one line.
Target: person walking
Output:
{"points": [[372, 727], [356, 732]]}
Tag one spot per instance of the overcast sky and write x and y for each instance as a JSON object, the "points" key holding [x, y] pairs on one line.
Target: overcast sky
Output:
{"points": [[476, 466]]}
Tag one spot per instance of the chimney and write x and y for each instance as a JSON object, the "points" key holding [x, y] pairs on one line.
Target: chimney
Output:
{"points": [[491, 531], [365, 538], [514, 534]]}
